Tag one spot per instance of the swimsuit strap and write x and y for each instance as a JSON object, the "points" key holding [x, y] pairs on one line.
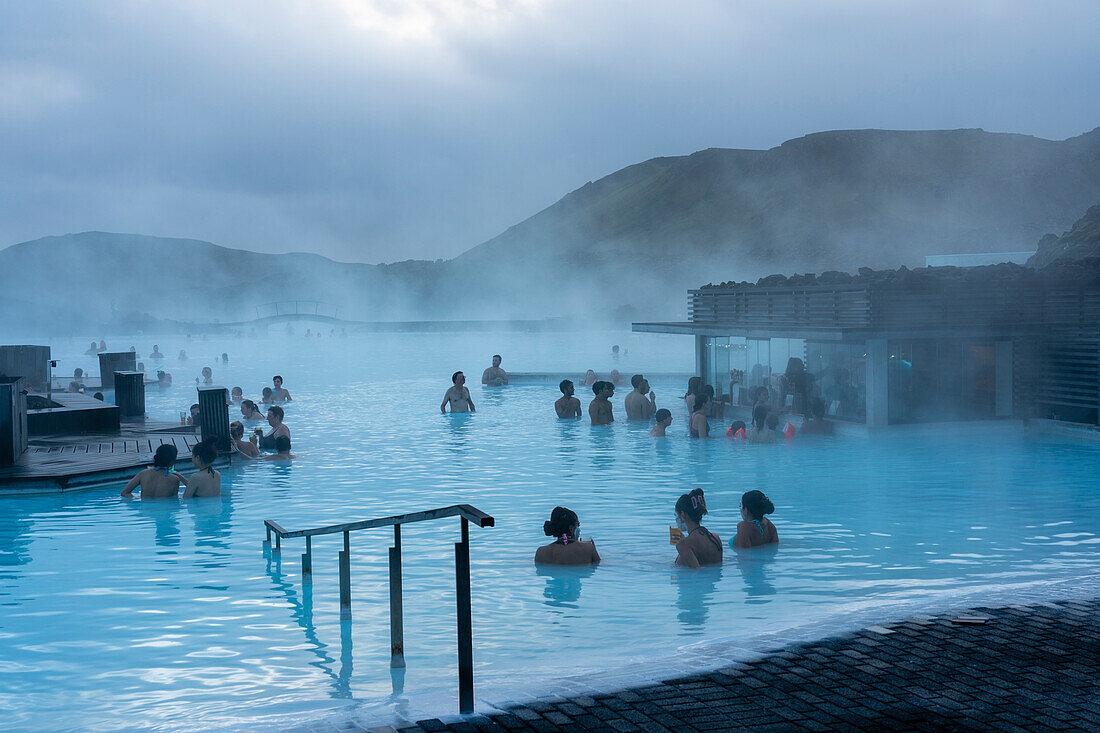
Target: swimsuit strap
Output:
{"points": [[759, 526]]}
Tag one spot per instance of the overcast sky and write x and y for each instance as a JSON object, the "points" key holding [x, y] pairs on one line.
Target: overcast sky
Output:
{"points": [[382, 130]]}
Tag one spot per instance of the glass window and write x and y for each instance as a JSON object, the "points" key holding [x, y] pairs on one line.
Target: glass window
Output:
{"points": [[933, 381], [839, 378]]}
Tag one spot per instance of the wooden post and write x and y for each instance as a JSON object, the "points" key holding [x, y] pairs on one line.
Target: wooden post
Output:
{"points": [[115, 361], [307, 562], [29, 362], [465, 622], [397, 629], [13, 419], [345, 579], [130, 393], [214, 415]]}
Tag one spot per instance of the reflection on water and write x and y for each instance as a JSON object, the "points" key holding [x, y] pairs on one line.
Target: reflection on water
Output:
{"points": [[695, 593], [563, 584], [753, 564]]}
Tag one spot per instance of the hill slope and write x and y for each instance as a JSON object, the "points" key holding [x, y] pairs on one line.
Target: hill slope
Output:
{"points": [[1082, 241], [641, 236]]}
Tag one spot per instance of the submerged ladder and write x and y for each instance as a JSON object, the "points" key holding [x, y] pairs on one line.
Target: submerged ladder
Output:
{"points": [[462, 579]]}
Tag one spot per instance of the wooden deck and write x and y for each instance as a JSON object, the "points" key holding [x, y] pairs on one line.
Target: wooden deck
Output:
{"points": [[66, 463]]}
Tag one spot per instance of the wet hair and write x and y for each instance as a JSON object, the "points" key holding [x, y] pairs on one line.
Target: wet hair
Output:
{"points": [[276, 377], [693, 505], [78, 372], [693, 385], [700, 399], [165, 456], [98, 396], [206, 450], [759, 416], [236, 430], [237, 390], [561, 522], [636, 380], [708, 390], [737, 425], [277, 410], [600, 385], [267, 391], [454, 377], [207, 370], [773, 421], [662, 415], [497, 356], [195, 407], [565, 383], [250, 405], [757, 504], [282, 444]]}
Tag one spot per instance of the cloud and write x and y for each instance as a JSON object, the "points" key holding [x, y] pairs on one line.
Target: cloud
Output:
{"points": [[383, 130]]}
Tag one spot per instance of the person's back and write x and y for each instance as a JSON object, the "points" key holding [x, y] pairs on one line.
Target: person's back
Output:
{"points": [[755, 529], [567, 548], [159, 481], [206, 482], [698, 546], [638, 405], [816, 424]]}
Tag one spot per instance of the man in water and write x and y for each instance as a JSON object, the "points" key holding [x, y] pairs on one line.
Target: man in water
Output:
{"points": [[278, 428], [638, 407], [280, 394], [76, 385], [664, 419], [494, 376], [599, 410], [458, 396], [567, 405]]}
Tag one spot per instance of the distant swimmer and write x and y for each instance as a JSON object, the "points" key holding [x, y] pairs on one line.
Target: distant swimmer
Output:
{"points": [[249, 410], [699, 427], [494, 376], [278, 428], [458, 396], [268, 397], [567, 547], [237, 396], [77, 385], [205, 481], [160, 481], [638, 405], [664, 419], [207, 375], [616, 378], [282, 450], [164, 379], [194, 418], [816, 424], [102, 345], [759, 431], [567, 405], [182, 356], [156, 353], [615, 351], [280, 394], [590, 378], [244, 447], [93, 349], [599, 410]]}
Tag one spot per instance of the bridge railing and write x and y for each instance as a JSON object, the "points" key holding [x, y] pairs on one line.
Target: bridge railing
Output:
{"points": [[467, 514], [295, 308]]}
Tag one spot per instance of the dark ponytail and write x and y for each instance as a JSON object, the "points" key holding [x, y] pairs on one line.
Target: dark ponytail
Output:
{"points": [[561, 522], [757, 504], [206, 451], [693, 505]]}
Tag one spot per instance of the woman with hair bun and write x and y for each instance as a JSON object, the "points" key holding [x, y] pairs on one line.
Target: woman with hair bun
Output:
{"points": [[698, 545], [757, 529], [205, 481], [567, 547]]}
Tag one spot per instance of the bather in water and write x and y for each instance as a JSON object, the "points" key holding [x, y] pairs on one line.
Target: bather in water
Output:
{"points": [[756, 529], [567, 547], [699, 546], [159, 481]]}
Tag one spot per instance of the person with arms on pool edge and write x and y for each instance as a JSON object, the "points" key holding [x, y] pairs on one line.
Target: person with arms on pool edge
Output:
{"points": [[159, 481], [457, 396], [600, 410], [494, 376], [567, 547], [638, 407], [698, 545], [567, 405]]}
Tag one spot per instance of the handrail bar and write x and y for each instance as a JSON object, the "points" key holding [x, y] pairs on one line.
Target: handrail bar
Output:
{"points": [[465, 511]]}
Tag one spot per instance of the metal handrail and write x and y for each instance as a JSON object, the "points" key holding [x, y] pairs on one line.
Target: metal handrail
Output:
{"points": [[464, 609]]}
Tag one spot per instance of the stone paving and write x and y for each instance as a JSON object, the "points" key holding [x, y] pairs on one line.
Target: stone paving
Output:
{"points": [[1026, 668]]}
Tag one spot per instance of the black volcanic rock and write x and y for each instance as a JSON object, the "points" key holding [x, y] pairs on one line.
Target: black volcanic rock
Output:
{"points": [[1080, 242]]}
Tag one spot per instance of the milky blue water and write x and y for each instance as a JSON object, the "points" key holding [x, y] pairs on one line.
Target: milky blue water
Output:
{"points": [[130, 615]]}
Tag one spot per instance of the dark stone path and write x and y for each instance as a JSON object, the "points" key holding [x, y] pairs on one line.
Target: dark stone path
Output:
{"points": [[1025, 669]]}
